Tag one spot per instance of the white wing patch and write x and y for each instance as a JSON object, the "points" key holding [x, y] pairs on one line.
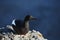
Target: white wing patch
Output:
{"points": [[13, 22]]}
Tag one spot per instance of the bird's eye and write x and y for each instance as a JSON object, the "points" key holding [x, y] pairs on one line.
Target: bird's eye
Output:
{"points": [[31, 17]]}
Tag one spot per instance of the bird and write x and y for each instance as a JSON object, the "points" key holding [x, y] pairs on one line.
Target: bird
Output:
{"points": [[22, 27]]}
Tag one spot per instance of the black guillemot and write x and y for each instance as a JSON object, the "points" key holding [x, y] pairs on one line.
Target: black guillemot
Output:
{"points": [[22, 27]]}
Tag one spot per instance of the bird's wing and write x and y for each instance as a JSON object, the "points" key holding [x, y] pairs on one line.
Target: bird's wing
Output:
{"points": [[19, 23]]}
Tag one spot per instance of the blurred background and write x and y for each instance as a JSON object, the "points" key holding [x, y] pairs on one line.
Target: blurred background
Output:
{"points": [[46, 11]]}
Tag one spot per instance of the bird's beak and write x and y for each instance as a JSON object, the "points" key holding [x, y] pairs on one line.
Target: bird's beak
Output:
{"points": [[33, 18]]}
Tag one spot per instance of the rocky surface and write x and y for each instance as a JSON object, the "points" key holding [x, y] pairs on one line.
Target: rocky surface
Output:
{"points": [[31, 35]]}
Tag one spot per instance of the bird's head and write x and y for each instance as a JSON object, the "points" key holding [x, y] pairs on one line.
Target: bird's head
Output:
{"points": [[29, 17]]}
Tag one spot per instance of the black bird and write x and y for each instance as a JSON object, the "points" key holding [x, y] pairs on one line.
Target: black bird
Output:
{"points": [[22, 27]]}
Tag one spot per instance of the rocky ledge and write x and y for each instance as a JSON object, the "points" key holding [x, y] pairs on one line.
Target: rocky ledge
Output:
{"points": [[31, 35]]}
